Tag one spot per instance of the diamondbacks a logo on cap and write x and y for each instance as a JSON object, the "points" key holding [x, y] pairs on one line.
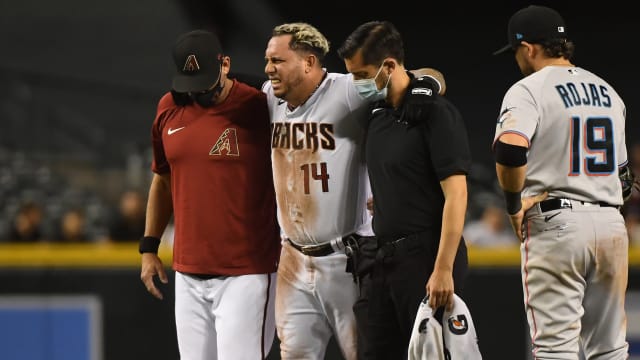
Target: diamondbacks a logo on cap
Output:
{"points": [[191, 64], [560, 29]]}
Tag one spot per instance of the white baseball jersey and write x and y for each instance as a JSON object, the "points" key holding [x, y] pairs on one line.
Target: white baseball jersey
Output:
{"points": [[455, 339], [318, 159], [581, 122]]}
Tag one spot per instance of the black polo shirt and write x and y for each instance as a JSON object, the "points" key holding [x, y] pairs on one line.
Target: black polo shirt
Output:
{"points": [[406, 164]]}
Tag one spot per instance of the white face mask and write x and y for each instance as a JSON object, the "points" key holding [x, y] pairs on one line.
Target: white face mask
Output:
{"points": [[368, 88]]}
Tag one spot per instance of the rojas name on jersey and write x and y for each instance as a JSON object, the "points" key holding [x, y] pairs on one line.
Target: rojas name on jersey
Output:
{"points": [[573, 94]]}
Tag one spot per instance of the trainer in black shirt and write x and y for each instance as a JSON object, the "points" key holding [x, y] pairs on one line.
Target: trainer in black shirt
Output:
{"points": [[418, 157]]}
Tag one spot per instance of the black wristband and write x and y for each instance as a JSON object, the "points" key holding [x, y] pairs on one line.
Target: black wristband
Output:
{"points": [[149, 244], [513, 201]]}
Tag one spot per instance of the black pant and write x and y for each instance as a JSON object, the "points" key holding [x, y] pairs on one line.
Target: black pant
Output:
{"points": [[391, 294]]}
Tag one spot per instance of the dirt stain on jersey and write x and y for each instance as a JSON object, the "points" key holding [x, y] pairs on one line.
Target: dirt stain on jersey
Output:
{"points": [[612, 262], [288, 269], [295, 189]]}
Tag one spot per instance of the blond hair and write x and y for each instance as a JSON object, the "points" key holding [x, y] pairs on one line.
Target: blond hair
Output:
{"points": [[304, 37]]}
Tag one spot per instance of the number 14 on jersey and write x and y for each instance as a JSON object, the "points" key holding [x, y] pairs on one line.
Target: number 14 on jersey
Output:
{"points": [[315, 171]]}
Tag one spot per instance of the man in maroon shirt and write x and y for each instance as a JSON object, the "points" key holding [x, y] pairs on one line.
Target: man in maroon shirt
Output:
{"points": [[212, 171]]}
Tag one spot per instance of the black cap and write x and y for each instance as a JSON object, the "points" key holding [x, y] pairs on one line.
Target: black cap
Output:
{"points": [[534, 24], [197, 55]]}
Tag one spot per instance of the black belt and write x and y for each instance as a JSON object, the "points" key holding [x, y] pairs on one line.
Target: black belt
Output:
{"points": [[204, 276], [557, 204], [319, 249]]}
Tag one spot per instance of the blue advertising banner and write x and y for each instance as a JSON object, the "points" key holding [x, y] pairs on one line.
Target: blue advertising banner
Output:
{"points": [[50, 327], [632, 305]]}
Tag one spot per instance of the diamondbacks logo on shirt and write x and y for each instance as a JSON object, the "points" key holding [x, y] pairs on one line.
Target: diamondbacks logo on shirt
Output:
{"points": [[227, 144], [191, 64]]}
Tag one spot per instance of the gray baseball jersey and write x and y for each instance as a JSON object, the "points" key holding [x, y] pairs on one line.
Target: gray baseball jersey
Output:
{"points": [[319, 172], [580, 120], [574, 257]]}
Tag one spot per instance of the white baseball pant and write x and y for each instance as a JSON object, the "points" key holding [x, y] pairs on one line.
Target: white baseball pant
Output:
{"points": [[314, 299], [225, 318], [574, 266]]}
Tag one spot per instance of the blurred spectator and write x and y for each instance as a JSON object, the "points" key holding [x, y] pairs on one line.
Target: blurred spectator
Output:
{"points": [[128, 223], [632, 220], [491, 229], [72, 227], [27, 224]]}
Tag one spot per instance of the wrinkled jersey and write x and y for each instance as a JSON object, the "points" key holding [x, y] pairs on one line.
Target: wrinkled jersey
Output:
{"points": [[575, 124], [318, 161]]}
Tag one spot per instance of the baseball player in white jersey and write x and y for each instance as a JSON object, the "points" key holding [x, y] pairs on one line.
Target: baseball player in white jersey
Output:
{"points": [[321, 188], [560, 157]]}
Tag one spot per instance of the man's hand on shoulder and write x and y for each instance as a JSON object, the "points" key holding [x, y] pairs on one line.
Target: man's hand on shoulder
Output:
{"points": [[421, 94], [434, 74]]}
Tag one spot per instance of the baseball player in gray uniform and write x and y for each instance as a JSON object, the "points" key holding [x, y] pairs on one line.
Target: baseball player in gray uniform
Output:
{"points": [[560, 155]]}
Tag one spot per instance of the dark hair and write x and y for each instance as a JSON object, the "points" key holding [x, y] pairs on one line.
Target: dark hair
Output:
{"points": [[377, 39], [556, 48]]}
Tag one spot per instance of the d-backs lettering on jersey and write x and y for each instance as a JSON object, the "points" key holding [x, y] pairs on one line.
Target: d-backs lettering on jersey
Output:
{"points": [[310, 136], [318, 161]]}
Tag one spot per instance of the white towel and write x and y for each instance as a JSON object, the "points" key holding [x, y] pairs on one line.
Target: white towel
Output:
{"points": [[456, 340]]}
